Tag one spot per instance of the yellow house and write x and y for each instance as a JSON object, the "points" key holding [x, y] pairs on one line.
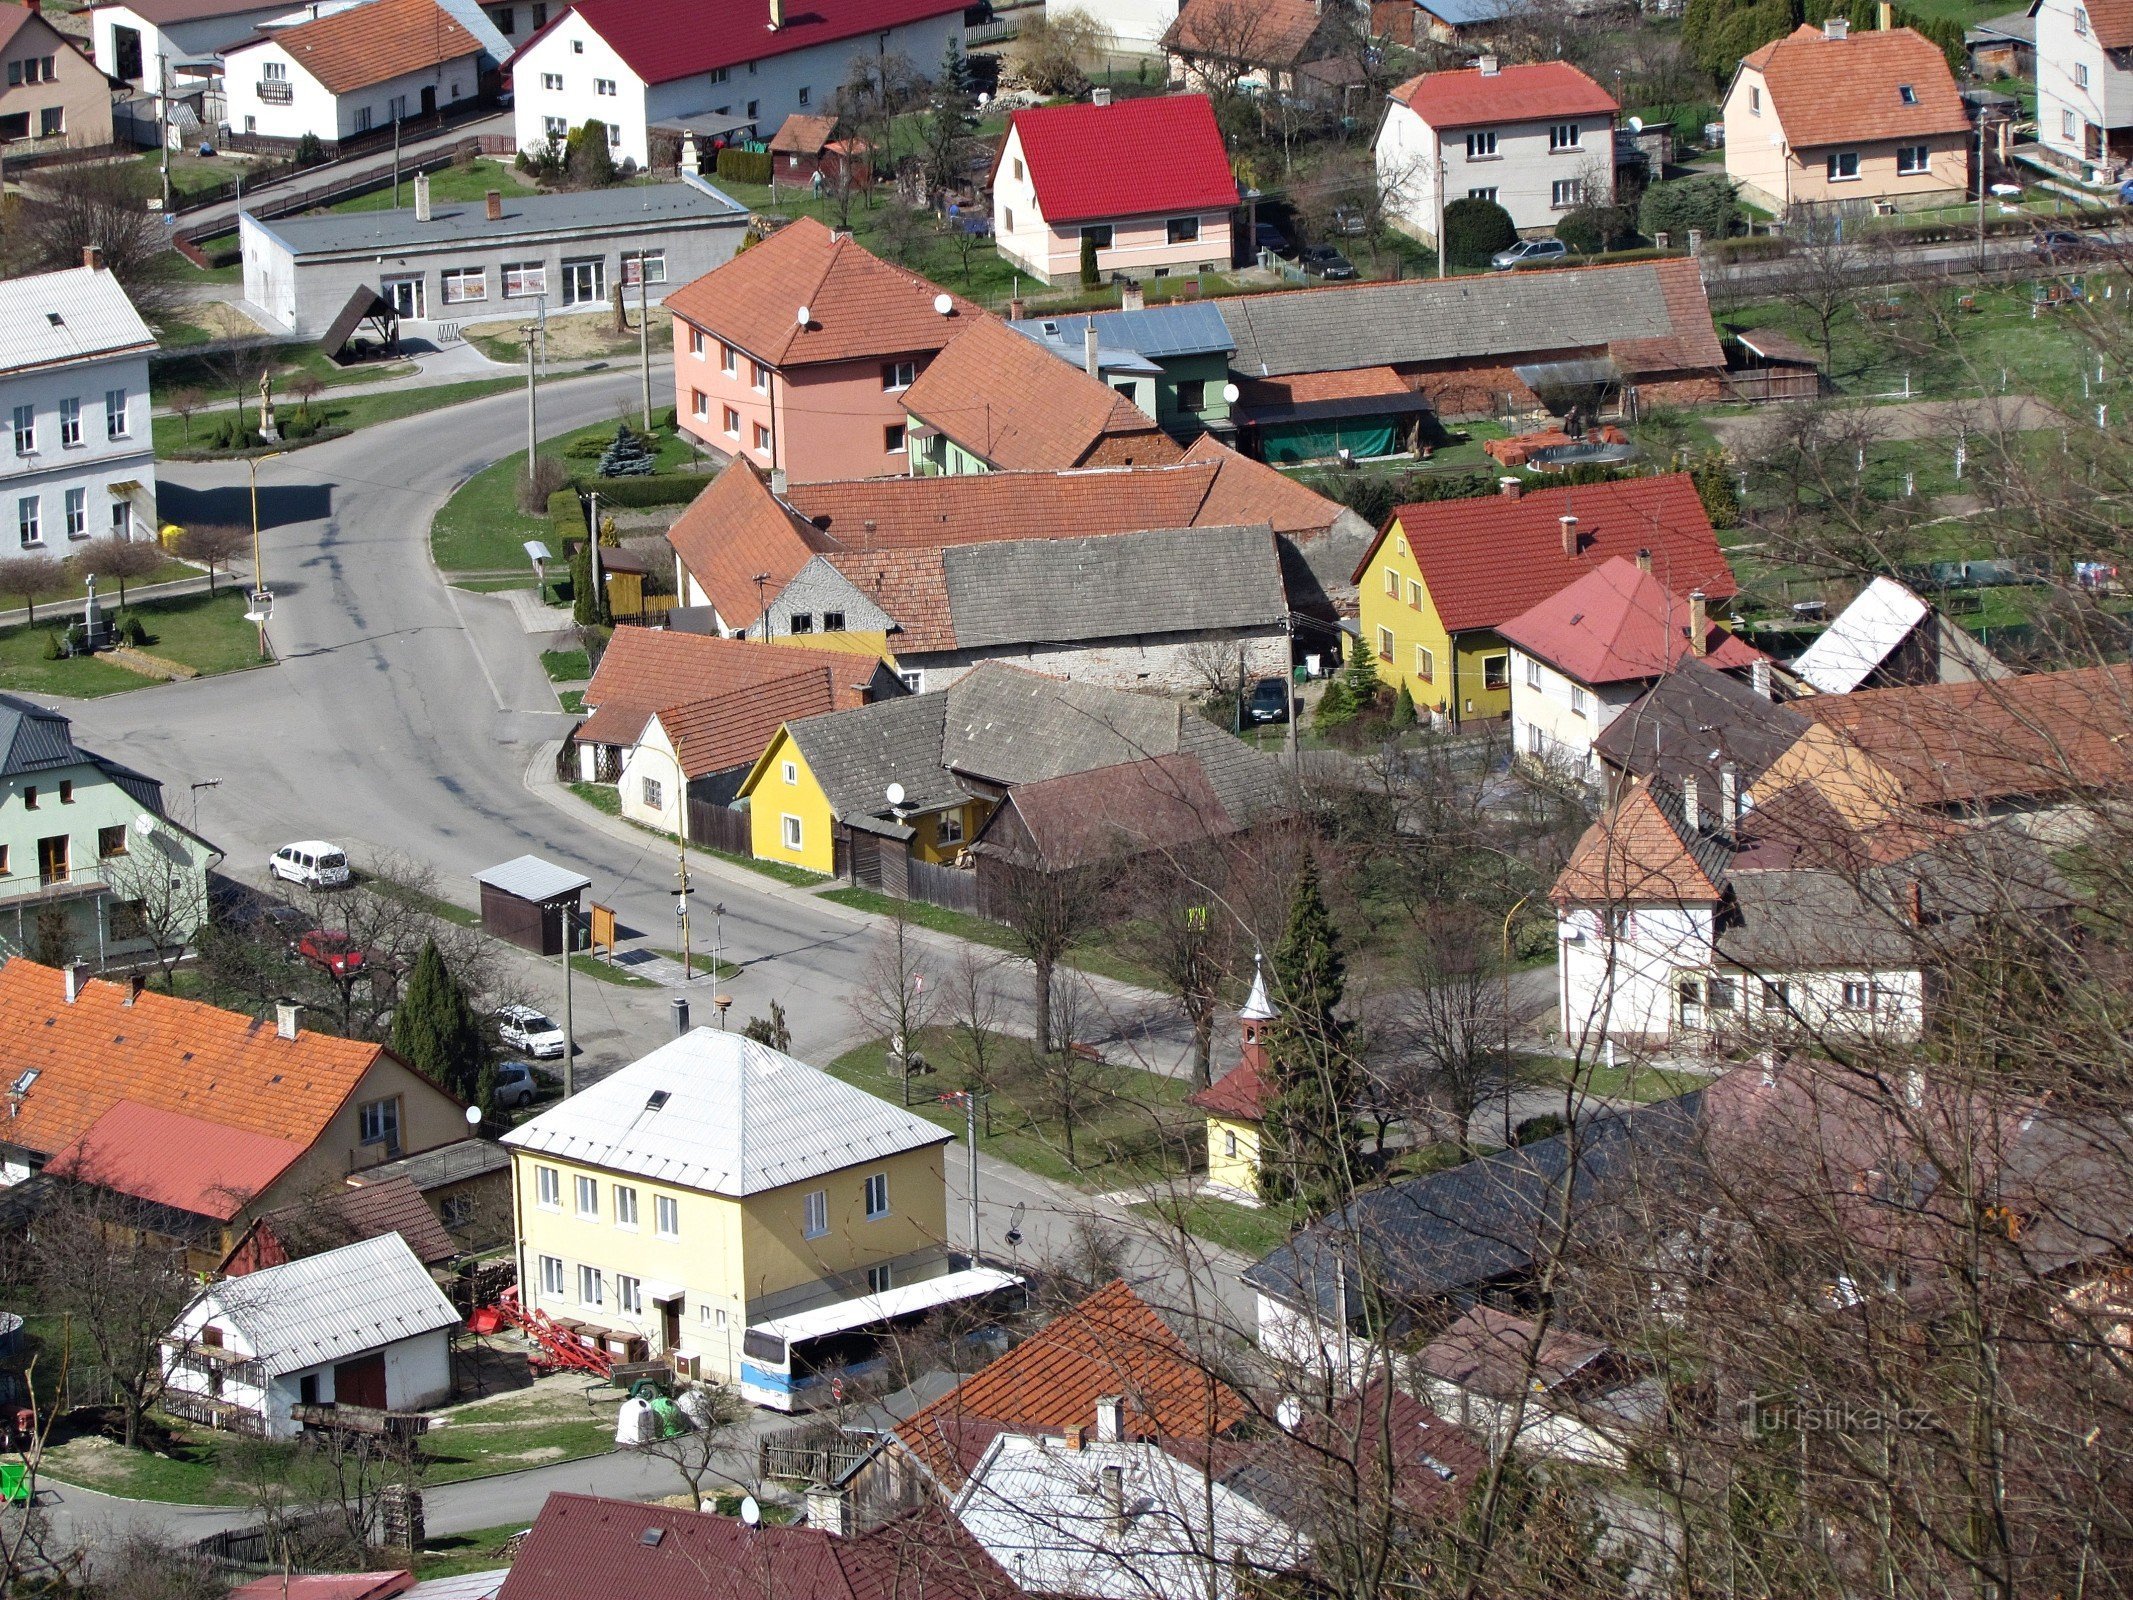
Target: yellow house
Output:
{"points": [[717, 1186], [1236, 1105], [1442, 576]]}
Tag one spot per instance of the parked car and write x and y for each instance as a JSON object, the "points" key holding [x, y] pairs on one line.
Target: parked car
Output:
{"points": [[523, 1028], [311, 862], [1529, 253], [1349, 221], [1323, 261], [2064, 244], [1269, 701], [332, 950], [1270, 238], [517, 1084]]}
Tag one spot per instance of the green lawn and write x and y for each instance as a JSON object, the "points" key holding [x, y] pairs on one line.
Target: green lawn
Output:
{"points": [[192, 174], [566, 666], [572, 701], [602, 797], [1624, 1081], [470, 182], [208, 634], [169, 373], [1244, 1229], [1088, 957], [1129, 1124], [478, 1551], [342, 416], [60, 599]]}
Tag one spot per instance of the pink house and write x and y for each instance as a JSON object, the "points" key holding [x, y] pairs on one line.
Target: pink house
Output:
{"points": [[1147, 179], [795, 354]]}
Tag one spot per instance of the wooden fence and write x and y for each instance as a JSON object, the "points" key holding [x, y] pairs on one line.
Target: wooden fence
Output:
{"points": [[720, 828], [955, 888], [1773, 383], [811, 1455]]}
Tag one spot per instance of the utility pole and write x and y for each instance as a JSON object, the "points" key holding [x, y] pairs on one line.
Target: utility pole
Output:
{"points": [[570, 1043], [1981, 188], [592, 560], [396, 163], [969, 1101], [681, 911], [532, 331], [1443, 177], [644, 334], [163, 123]]}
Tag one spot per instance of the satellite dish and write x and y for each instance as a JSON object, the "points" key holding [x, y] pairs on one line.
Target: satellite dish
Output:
{"points": [[751, 1513], [943, 304], [895, 794], [1289, 1413], [473, 1116], [1230, 392], [1636, 124], [805, 318], [144, 824]]}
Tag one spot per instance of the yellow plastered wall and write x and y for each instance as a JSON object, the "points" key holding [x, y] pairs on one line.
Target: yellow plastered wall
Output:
{"points": [[926, 841], [1395, 599], [779, 1255], [854, 644], [772, 798], [1233, 1153]]}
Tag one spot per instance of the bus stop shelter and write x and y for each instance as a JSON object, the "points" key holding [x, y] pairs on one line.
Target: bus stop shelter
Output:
{"points": [[530, 903]]}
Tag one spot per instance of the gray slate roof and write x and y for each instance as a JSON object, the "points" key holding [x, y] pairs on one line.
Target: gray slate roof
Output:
{"points": [[1169, 581], [33, 738], [1691, 713], [336, 1305], [1427, 319], [855, 755], [1190, 328], [526, 216]]}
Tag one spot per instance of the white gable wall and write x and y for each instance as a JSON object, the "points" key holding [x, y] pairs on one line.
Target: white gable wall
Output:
{"points": [[313, 108]]}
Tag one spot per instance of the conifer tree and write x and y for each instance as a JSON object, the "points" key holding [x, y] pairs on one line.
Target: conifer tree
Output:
{"points": [[1310, 1145], [435, 1030], [629, 455]]}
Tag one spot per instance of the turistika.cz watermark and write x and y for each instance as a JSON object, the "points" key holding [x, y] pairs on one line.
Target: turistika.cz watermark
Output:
{"points": [[1791, 1414]]}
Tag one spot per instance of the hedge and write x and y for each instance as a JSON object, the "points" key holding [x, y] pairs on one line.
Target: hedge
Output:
{"points": [[566, 520], [745, 166], [658, 489]]}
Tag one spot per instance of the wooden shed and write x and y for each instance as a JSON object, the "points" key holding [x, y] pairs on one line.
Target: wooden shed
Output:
{"points": [[530, 902]]}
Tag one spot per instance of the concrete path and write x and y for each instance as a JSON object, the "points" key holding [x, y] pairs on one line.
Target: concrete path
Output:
{"points": [[1904, 419]]}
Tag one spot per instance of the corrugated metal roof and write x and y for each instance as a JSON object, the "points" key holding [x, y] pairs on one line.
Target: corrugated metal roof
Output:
{"points": [[32, 737], [462, 1586], [531, 878], [721, 1113], [525, 215], [1190, 328], [332, 1306], [75, 315], [1879, 619]]}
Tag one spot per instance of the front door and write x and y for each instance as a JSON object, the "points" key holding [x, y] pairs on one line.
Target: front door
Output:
{"points": [[429, 100], [584, 281], [670, 1325], [52, 866], [361, 1382], [404, 295]]}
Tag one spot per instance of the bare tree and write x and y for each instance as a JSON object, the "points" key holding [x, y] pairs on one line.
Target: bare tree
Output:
{"points": [[147, 1564], [120, 559], [1047, 914], [237, 368], [215, 545], [713, 1446], [975, 1009], [893, 998], [30, 578], [157, 895], [1455, 1054], [102, 207], [1181, 928], [185, 400]]}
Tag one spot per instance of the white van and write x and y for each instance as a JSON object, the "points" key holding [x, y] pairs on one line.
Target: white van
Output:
{"points": [[311, 862]]}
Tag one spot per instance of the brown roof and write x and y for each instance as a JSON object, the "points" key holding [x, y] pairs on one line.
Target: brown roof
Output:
{"points": [[1104, 813], [1013, 403], [732, 729], [1241, 1093], [1245, 490], [348, 1216], [2112, 23], [973, 508], [1270, 32], [1636, 852], [736, 529], [857, 304], [1112, 1343], [803, 135], [1693, 344], [645, 671], [911, 586], [1492, 1352], [2042, 735], [220, 1066], [370, 43], [1834, 91]]}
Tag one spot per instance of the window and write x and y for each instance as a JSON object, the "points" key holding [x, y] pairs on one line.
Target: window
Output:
{"points": [[1566, 193], [25, 430], [833, 622], [1722, 994], [732, 422], [880, 1280], [762, 438], [1482, 194], [759, 377], [1755, 101], [1563, 136], [2081, 21], [1229, 1142], [121, 519], [2081, 79], [577, 47], [1777, 995], [1192, 396], [525, 279], [548, 1187], [1858, 995], [877, 1196], [892, 439], [792, 834], [666, 1216], [629, 1295], [614, 134], [898, 374], [362, 119], [1533, 673], [1384, 644], [2067, 129], [1907, 94], [69, 423], [77, 504], [551, 80], [552, 1276], [51, 122], [1843, 166], [379, 1121], [650, 264], [754, 106], [1496, 672], [625, 1206], [540, 14], [947, 828], [1392, 582], [1913, 158], [790, 772], [1577, 701], [1425, 664], [110, 842], [720, 74], [555, 128], [16, 125], [503, 18], [603, 86], [117, 423], [464, 284], [699, 346], [588, 1196], [699, 404], [592, 1287], [1183, 230], [800, 622], [728, 360], [1098, 234], [914, 681], [1414, 594], [815, 1214], [654, 794], [66, 791], [1481, 147], [1007, 219], [1018, 169], [806, 95], [1536, 742]]}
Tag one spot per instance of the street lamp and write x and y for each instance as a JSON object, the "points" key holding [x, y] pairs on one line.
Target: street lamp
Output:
{"points": [[262, 598]]}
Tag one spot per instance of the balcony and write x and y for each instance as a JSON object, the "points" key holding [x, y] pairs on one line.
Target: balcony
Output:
{"points": [[47, 885], [276, 91]]}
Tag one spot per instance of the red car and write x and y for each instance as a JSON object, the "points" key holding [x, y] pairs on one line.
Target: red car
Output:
{"points": [[336, 952]]}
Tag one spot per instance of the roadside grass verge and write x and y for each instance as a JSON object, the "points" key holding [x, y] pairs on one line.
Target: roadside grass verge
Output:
{"points": [[205, 632], [338, 417], [1094, 959]]}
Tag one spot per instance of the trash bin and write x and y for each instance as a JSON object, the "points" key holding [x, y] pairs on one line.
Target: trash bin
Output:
{"points": [[169, 535]]}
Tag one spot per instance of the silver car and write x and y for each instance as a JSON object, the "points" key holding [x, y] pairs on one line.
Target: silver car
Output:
{"points": [[1529, 253]]}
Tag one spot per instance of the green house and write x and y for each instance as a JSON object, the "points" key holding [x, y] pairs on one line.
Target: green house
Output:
{"points": [[1170, 360]]}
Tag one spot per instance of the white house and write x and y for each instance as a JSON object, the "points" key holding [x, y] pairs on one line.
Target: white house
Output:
{"points": [[2085, 84], [1132, 27], [360, 1326], [137, 40], [634, 63], [1538, 140], [350, 71], [74, 385]]}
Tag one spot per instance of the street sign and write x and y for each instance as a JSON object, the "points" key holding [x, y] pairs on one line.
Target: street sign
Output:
{"points": [[603, 929]]}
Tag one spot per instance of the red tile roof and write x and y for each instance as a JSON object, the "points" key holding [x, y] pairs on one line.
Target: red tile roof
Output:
{"points": [[1270, 32], [858, 305], [2112, 23], [1112, 1343], [1472, 98], [1241, 1093], [172, 1055], [1836, 91], [1634, 853], [1246, 491], [1487, 560], [734, 530], [662, 40], [326, 1586], [1619, 622], [367, 44], [1131, 158], [975, 508], [1013, 403], [803, 135], [912, 587], [732, 729], [646, 670], [175, 1160]]}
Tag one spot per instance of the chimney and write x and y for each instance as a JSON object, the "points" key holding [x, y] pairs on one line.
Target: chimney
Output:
{"points": [[92, 257], [36, 7], [1088, 349], [1699, 623], [1489, 66], [1570, 534], [1132, 297], [778, 482], [1759, 678], [1728, 796], [1917, 906], [1884, 16], [777, 15], [1111, 1419], [1111, 1481], [1014, 308], [1692, 803], [495, 198], [680, 1007], [135, 983], [1099, 97], [1644, 561], [422, 197], [77, 975], [1836, 28], [1509, 488], [285, 1015], [1073, 1438], [828, 1510]]}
